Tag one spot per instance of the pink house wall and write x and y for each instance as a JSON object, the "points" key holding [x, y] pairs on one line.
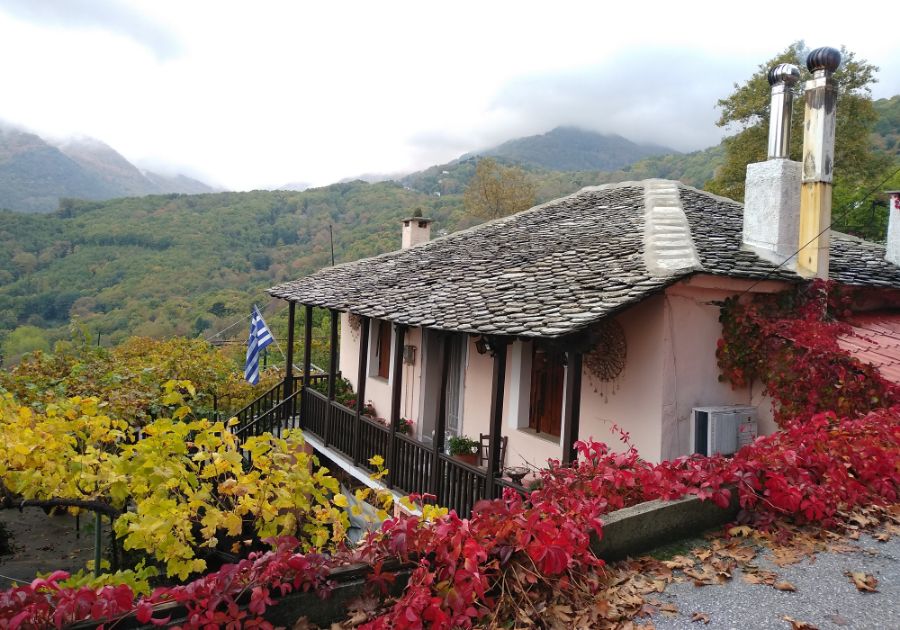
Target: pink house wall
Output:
{"points": [[670, 368], [378, 390], [692, 329], [632, 401]]}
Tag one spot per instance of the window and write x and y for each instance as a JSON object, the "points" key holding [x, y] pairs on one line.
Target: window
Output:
{"points": [[547, 382], [383, 349]]}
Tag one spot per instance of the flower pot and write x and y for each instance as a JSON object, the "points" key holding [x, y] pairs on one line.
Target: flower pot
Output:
{"points": [[469, 458]]}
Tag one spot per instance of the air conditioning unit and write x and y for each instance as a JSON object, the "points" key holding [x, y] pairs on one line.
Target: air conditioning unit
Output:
{"points": [[722, 430]]}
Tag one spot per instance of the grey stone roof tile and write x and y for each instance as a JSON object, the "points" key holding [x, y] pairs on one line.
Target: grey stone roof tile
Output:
{"points": [[556, 268]]}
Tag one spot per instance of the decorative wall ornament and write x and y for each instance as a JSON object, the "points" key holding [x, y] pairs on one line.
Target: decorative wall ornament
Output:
{"points": [[606, 359], [355, 322]]}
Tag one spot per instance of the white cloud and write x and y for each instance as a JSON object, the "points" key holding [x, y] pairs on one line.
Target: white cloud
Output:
{"points": [[259, 94]]}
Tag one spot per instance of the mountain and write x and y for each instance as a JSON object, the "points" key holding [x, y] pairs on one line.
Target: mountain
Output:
{"points": [[35, 174], [573, 149]]}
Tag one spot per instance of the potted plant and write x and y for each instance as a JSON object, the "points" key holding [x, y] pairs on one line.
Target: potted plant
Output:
{"points": [[464, 448], [405, 426]]}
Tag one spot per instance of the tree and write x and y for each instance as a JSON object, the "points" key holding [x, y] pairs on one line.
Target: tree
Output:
{"points": [[858, 166], [497, 191], [22, 340]]}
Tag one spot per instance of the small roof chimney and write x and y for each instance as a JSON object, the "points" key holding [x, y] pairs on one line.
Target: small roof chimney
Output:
{"points": [[892, 250], [772, 190], [416, 230], [818, 163]]}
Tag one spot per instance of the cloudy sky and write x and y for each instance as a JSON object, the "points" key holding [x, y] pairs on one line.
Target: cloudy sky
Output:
{"points": [[257, 94]]}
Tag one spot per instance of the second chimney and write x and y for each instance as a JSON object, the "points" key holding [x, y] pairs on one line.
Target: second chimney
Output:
{"points": [[818, 163], [416, 230]]}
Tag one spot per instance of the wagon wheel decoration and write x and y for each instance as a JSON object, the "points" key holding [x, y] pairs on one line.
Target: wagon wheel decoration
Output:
{"points": [[606, 360]]}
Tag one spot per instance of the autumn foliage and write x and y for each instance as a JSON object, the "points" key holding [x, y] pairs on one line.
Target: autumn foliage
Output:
{"points": [[789, 343], [472, 571], [837, 450], [129, 377]]}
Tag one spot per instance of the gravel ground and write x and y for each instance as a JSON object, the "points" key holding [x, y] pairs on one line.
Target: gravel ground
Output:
{"points": [[42, 544], [825, 597]]}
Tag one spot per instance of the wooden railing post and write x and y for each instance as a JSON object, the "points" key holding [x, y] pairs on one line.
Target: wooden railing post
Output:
{"points": [[361, 377], [572, 413], [437, 444], [498, 384], [332, 374], [396, 388]]}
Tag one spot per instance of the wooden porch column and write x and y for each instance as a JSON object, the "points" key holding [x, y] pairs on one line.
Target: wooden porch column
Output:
{"points": [[498, 385], [332, 373], [361, 377], [289, 359], [572, 411], [307, 344], [437, 444], [307, 357], [396, 386]]}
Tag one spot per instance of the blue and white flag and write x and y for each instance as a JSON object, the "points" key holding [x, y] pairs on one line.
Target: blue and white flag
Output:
{"points": [[260, 337]]}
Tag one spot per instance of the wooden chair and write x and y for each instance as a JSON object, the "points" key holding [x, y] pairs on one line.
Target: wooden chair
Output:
{"points": [[486, 449]]}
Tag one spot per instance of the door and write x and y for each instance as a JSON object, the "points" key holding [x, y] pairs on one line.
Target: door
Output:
{"points": [[453, 398], [547, 382]]}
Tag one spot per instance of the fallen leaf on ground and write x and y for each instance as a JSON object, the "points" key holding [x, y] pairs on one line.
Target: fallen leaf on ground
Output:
{"points": [[864, 582], [784, 585], [669, 610], [740, 530], [796, 624], [759, 576], [701, 617]]}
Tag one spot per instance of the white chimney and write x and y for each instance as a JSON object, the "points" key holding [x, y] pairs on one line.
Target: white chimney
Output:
{"points": [[416, 230], [892, 251], [818, 163], [772, 190]]}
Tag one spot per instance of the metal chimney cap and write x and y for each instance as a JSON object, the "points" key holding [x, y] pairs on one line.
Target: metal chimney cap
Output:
{"points": [[824, 58], [786, 73]]}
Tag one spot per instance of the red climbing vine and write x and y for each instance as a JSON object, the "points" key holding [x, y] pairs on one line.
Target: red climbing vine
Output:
{"points": [[789, 343]]}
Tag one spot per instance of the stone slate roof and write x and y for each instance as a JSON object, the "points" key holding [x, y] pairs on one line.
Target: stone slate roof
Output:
{"points": [[556, 268]]}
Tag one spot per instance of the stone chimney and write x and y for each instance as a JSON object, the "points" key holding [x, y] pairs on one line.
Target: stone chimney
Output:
{"points": [[772, 191], [818, 163], [416, 230], [892, 251]]}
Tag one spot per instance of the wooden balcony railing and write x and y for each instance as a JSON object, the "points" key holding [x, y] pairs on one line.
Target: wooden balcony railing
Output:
{"points": [[411, 466], [269, 400]]}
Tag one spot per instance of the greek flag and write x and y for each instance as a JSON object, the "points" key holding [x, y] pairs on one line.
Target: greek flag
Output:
{"points": [[260, 337]]}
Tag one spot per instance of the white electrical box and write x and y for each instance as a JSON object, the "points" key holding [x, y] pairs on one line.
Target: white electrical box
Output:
{"points": [[723, 429]]}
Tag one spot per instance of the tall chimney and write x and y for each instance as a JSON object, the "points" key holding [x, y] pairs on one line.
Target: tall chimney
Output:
{"points": [[416, 230], [818, 163], [892, 251], [772, 190]]}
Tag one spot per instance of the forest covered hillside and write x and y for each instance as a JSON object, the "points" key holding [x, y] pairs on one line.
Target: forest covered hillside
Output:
{"points": [[192, 265], [186, 264]]}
